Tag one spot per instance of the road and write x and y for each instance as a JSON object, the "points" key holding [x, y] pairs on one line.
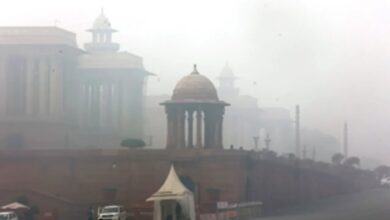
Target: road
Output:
{"points": [[369, 205]]}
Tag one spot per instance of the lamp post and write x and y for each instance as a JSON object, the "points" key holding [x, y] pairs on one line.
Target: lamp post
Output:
{"points": [[267, 141], [256, 140], [304, 152]]}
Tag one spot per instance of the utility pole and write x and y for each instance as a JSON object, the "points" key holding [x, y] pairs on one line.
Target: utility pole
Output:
{"points": [[256, 140], [297, 132], [267, 142], [345, 139], [314, 152]]}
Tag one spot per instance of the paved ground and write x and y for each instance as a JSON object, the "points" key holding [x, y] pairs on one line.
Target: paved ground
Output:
{"points": [[370, 205]]}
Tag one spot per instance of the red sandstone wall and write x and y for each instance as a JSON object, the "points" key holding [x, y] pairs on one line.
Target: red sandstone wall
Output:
{"points": [[69, 181]]}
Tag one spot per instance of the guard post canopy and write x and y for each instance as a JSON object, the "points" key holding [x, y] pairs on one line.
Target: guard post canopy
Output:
{"points": [[173, 201]]}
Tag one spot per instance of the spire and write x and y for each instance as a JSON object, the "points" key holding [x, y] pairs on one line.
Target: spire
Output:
{"points": [[227, 80], [102, 35], [195, 71], [227, 72]]}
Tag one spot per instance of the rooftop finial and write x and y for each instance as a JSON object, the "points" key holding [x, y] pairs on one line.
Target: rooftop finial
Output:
{"points": [[195, 71]]}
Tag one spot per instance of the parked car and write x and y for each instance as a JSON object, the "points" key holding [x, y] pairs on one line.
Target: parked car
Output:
{"points": [[8, 216], [385, 182], [112, 212]]}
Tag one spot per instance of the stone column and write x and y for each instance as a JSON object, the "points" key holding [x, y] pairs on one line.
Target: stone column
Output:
{"points": [[29, 86], [43, 72], [118, 105], [95, 105], [3, 85], [171, 127], [104, 105], [109, 106], [209, 131], [53, 87], [218, 129], [124, 119], [199, 129], [88, 104], [180, 128], [115, 106], [190, 128], [82, 104]]}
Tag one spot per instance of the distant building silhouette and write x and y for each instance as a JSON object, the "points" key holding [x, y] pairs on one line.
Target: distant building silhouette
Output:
{"points": [[245, 120], [55, 95]]}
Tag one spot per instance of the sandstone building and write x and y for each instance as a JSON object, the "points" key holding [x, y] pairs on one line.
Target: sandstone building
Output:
{"points": [[55, 95], [65, 182]]}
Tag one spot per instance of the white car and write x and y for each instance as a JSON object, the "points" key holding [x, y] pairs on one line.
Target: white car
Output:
{"points": [[112, 212], [385, 182], [8, 216]]}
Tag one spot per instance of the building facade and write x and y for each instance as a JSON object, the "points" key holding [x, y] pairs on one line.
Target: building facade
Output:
{"points": [[245, 121], [111, 85], [55, 95], [36, 65]]}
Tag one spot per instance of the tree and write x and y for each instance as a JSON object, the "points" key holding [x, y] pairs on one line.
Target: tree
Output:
{"points": [[337, 158], [133, 143], [22, 199], [32, 212], [352, 162], [382, 171]]}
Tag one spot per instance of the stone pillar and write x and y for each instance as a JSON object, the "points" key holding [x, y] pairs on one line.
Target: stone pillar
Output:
{"points": [[95, 105], [104, 105], [190, 128], [29, 85], [3, 85], [43, 72], [171, 127], [124, 119], [53, 87], [82, 104], [88, 104], [180, 128], [117, 106], [209, 131], [206, 131], [109, 106], [218, 129], [199, 129]]}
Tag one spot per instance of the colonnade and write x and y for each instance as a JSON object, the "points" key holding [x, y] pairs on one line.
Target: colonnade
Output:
{"points": [[101, 37], [194, 127], [31, 86], [107, 105]]}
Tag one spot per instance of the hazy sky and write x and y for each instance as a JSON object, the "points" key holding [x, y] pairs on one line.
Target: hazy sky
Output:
{"points": [[331, 57]]}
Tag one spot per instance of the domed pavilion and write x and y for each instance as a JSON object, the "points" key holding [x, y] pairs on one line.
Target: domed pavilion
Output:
{"points": [[194, 114], [102, 35]]}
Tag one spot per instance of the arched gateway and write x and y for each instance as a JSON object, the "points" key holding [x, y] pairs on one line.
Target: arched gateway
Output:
{"points": [[194, 114]]}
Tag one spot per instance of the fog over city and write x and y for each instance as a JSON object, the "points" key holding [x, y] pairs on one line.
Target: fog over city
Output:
{"points": [[330, 57]]}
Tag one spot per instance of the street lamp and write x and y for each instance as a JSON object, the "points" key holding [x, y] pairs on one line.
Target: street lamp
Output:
{"points": [[256, 140], [267, 141]]}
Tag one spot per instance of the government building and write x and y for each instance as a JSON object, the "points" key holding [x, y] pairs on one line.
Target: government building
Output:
{"points": [[56, 95]]}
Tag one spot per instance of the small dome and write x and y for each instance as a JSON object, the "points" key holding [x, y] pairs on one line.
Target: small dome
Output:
{"points": [[102, 22], [195, 87]]}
